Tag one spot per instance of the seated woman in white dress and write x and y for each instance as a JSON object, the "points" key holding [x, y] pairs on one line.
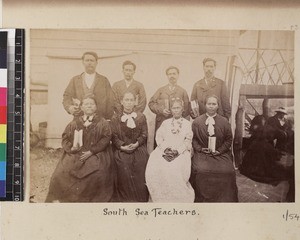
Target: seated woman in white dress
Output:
{"points": [[169, 166]]}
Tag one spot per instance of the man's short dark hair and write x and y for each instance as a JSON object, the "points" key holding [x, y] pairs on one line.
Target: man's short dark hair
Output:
{"points": [[172, 67], [90, 53], [205, 60], [127, 62]]}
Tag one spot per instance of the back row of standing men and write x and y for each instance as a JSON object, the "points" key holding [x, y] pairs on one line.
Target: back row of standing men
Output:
{"points": [[109, 98]]}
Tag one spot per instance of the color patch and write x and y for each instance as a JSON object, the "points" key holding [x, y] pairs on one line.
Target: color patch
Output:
{"points": [[2, 188], [2, 170], [3, 91], [2, 133], [3, 111], [3, 50], [3, 96], [3, 78], [3, 114], [2, 152]]}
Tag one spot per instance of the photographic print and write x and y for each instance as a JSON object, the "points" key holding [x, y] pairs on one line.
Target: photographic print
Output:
{"points": [[176, 116]]}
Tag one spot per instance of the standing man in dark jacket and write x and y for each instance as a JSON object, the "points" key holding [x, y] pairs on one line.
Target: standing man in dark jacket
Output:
{"points": [[160, 103], [210, 85], [89, 82], [131, 85]]}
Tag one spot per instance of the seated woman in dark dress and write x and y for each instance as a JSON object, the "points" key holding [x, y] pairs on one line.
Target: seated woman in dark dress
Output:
{"points": [[130, 142], [259, 161], [213, 175], [85, 172]]}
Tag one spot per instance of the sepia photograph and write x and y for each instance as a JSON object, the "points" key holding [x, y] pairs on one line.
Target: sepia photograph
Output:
{"points": [[153, 116]]}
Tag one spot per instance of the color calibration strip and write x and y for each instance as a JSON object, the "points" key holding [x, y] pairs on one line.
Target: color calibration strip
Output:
{"points": [[10, 85], [14, 115], [10, 113], [3, 112]]}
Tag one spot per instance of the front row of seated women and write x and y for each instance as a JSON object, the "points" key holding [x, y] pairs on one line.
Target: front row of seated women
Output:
{"points": [[93, 170]]}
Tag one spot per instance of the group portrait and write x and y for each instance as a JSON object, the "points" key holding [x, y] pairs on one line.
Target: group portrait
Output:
{"points": [[175, 116]]}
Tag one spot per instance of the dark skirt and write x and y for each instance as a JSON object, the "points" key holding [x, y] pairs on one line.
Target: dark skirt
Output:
{"points": [[213, 178], [260, 163], [131, 183], [92, 181]]}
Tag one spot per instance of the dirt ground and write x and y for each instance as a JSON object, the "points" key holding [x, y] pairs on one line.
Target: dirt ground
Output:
{"points": [[43, 162]]}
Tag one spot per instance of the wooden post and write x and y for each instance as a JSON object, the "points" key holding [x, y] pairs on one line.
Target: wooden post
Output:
{"points": [[239, 132], [265, 107], [257, 57], [230, 69]]}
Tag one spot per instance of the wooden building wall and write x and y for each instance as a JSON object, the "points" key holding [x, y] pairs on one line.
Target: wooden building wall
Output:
{"points": [[55, 58]]}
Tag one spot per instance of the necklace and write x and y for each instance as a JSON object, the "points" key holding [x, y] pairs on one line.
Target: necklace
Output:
{"points": [[176, 127]]}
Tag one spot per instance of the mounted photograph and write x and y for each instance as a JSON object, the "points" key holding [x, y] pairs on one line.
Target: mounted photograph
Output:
{"points": [[153, 115]]}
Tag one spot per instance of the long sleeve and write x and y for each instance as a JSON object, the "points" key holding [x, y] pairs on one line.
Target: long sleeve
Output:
{"points": [[68, 95], [116, 99], [110, 101], [104, 137], [225, 101], [144, 133], [194, 97], [153, 103], [197, 147], [142, 100], [160, 137], [67, 138], [227, 141], [194, 93], [274, 123], [186, 101], [117, 142]]}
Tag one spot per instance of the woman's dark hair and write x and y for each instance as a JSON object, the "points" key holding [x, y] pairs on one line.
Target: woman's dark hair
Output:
{"points": [[128, 92], [176, 100], [212, 96], [89, 96]]}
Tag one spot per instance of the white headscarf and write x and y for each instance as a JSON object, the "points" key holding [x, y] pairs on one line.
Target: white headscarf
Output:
{"points": [[210, 121], [129, 118]]}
